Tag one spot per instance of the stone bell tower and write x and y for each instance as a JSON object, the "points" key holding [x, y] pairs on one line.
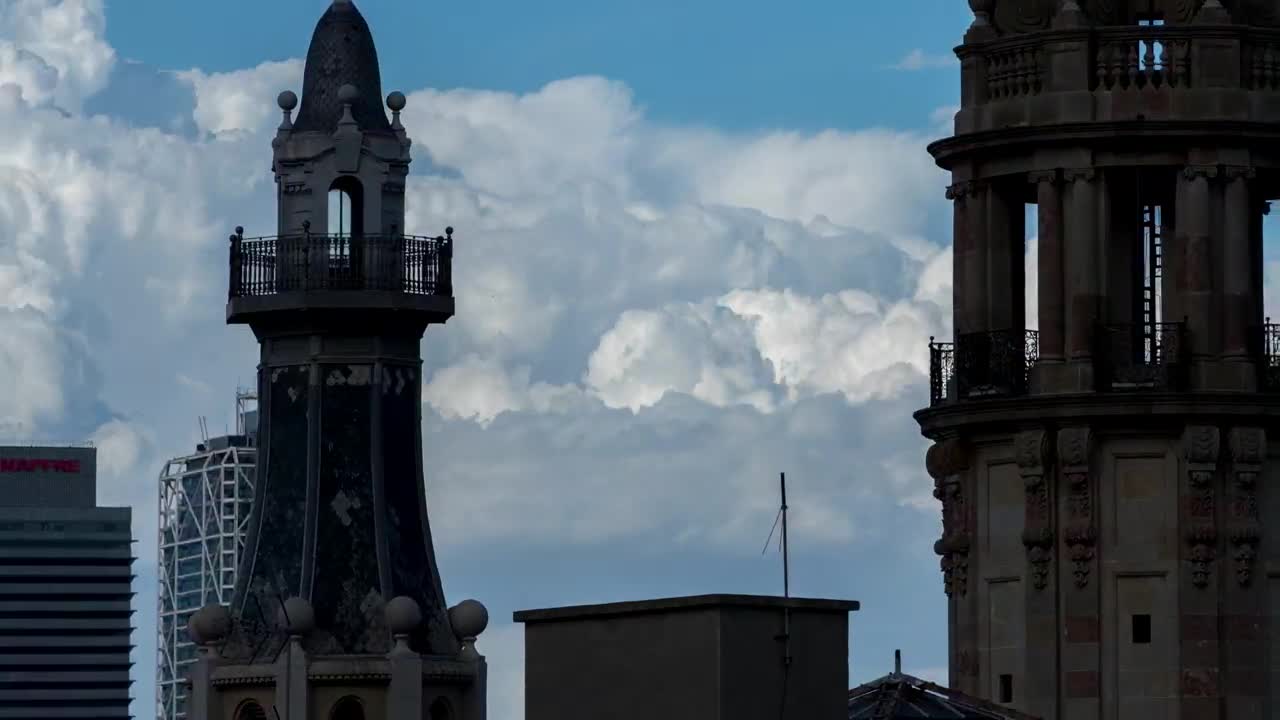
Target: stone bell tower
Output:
{"points": [[339, 610], [1109, 470]]}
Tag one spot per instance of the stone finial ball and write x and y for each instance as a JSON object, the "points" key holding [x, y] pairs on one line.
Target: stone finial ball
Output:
{"points": [[469, 618], [396, 101], [287, 100], [209, 624], [297, 616], [348, 93], [403, 615]]}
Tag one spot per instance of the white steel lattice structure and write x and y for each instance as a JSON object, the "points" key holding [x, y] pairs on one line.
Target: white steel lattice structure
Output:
{"points": [[205, 501]]}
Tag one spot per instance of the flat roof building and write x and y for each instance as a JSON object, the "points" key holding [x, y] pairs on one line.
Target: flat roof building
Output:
{"points": [[65, 588]]}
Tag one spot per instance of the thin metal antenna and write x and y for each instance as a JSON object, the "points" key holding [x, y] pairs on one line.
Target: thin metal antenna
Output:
{"points": [[786, 559]]}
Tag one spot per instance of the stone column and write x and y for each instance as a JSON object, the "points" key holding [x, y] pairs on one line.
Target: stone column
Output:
{"points": [[1237, 270], [1081, 266], [969, 277], [1080, 653], [1199, 635], [1005, 295], [1194, 280], [1049, 289], [1034, 458]]}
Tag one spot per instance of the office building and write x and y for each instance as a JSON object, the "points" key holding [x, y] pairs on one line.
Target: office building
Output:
{"points": [[65, 589], [205, 499]]}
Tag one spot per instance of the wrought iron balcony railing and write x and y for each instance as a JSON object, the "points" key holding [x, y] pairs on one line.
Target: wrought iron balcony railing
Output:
{"points": [[312, 262], [1135, 356], [983, 364], [1267, 352], [942, 367]]}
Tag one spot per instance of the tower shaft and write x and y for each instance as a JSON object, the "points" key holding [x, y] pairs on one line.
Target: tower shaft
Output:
{"points": [[1104, 466]]}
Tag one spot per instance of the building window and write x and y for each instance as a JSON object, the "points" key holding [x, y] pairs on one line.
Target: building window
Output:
{"points": [[1006, 689], [250, 710], [1141, 630], [440, 710], [348, 708]]}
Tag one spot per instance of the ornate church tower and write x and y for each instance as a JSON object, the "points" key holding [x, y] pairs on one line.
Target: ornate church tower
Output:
{"points": [[339, 612], [1110, 481]]}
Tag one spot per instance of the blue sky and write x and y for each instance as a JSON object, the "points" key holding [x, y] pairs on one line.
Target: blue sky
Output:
{"points": [[733, 64], [699, 244]]}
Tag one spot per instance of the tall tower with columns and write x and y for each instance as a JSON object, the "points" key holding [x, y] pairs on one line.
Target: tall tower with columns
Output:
{"points": [[339, 610], [1108, 467]]}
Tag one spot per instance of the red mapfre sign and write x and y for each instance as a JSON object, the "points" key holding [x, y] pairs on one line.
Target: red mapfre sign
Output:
{"points": [[34, 465]]}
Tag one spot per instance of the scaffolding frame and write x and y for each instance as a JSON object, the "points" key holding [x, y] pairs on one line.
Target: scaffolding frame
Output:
{"points": [[204, 506]]}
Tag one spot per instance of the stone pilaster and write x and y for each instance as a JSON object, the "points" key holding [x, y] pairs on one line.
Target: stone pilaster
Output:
{"points": [[202, 702], [1080, 657], [1197, 595], [1080, 261], [1245, 671], [1049, 287], [947, 463], [1033, 450]]}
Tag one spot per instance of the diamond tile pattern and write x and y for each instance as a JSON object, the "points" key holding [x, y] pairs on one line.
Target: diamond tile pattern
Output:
{"points": [[341, 53]]}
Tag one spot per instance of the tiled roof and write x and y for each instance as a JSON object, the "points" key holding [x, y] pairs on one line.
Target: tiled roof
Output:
{"points": [[898, 696]]}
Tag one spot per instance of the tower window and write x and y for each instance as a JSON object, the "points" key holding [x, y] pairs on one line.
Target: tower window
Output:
{"points": [[1141, 631], [1006, 689], [346, 206], [339, 212]]}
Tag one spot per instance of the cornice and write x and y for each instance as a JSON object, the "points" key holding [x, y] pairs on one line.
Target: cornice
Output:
{"points": [[949, 419], [949, 151]]}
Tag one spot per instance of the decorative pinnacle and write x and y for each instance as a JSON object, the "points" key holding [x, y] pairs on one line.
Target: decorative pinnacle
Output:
{"points": [[347, 95], [396, 103], [287, 101]]}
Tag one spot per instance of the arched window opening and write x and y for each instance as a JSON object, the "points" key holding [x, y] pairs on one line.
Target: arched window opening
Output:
{"points": [[346, 207], [440, 710], [250, 710], [348, 708]]}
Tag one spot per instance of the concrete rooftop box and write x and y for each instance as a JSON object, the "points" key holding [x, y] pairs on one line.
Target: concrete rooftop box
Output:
{"points": [[708, 657]]}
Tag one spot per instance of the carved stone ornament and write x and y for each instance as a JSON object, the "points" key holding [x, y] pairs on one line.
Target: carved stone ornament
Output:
{"points": [[1023, 16], [1103, 12], [1079, 175], [1075, 447], [947, 463], [1201, 446], [1248, 447], [965, 189], [1043, 176], [1263, 13], [1032, 452], [1195, 172]]}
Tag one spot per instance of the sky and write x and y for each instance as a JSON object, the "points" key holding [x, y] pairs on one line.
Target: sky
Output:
{"points": [[698, 244]]}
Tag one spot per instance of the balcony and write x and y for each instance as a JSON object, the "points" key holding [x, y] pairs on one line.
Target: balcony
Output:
{"points": [[982, 365], [1130, 356], [1118, 74], [1268, 357], [363, 272]]}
